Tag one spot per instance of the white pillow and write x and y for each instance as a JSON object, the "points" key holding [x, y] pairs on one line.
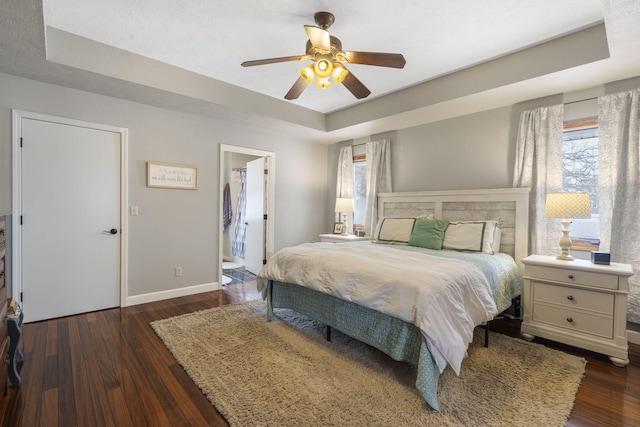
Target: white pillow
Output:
{"points": [[471, 236], [394, 231], [497, 239]]}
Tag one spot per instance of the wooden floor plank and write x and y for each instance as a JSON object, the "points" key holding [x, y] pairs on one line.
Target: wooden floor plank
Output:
{"points": [[119, 408], [66, 391], [110, 368], [85, 410], [49, 405], [33, 372]]}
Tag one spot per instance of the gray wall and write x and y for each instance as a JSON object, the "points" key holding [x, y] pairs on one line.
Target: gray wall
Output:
{"points": [[180, 227], [474, 151], [177, 227]]}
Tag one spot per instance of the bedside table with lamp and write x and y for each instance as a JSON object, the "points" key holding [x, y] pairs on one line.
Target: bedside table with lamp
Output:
{"points": [[344, 206], [576, 302]]}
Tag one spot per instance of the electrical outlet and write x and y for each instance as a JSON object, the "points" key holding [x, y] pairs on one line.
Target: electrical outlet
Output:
{"points": [[178, 271]]}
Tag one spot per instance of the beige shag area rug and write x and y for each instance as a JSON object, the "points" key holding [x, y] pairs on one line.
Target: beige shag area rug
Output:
{"points": [[283, 373]]}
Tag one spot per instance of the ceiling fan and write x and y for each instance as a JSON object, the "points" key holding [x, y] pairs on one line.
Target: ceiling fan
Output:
{"points": [[329, 61]]}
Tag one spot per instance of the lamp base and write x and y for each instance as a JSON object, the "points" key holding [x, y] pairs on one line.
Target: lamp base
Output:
{"points": [[344, 224], [565, 241]]}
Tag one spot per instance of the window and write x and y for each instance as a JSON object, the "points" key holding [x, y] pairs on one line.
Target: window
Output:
{"points": [[580, 174], [359, 191]]}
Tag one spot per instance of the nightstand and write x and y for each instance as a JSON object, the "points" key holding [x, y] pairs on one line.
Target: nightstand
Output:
{"points": [[339, 238], [577, 303]]}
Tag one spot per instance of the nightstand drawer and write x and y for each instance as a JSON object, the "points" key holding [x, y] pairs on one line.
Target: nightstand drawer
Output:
{"points": [[578, 277], [575, 320], [574, 298]]}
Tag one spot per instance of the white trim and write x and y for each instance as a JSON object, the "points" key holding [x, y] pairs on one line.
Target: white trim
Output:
{"points": [[633, 337], [270, 158], [16, 191], [124, 216], [16, 203], [172, 293]]}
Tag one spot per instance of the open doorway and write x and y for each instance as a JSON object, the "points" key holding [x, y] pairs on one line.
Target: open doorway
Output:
{"points": [[246, 216]]}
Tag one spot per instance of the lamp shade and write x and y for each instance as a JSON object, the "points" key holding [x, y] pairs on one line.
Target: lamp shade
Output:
{"points": [[567, 205], [344, 205]]}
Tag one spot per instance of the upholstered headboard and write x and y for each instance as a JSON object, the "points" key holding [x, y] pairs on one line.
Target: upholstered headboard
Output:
{"points": [[508, 205]]}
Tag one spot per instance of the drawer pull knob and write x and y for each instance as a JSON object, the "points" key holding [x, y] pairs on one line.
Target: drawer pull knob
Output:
{"points": [[571, 276], [569, 319], [570, 297]]}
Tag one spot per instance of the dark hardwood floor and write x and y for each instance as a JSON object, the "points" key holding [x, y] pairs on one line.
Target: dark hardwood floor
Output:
{"points": [[108, 368]]}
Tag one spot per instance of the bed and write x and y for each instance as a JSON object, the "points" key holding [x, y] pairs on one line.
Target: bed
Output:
{"points": [[444, 293]]}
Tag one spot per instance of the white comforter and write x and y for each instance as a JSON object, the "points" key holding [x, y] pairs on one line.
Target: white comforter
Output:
{"points": [[445, 298]]}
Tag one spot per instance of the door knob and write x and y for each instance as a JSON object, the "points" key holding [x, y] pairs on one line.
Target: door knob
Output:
{"points": [[112, 231]]}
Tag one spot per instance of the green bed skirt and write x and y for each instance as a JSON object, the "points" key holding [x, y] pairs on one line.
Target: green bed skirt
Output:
{"points": [[400, 340]]}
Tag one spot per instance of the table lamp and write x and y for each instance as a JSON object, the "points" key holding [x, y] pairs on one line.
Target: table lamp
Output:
{"points": [[567, 206], [344, 205]]}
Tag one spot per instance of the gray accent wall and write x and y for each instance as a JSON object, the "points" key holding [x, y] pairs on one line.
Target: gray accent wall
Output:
{"points": [[177, 227], [474, 151], [180, 228]]}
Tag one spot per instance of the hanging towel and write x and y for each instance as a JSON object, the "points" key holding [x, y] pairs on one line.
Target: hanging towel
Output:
{"points": [[227, 213]]}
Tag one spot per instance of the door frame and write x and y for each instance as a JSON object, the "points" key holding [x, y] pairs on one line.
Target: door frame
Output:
{"points": [[16, 192], [270, 161]]}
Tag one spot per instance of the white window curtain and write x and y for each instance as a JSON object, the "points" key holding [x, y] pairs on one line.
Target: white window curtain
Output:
{"points": [[538, 166], [344, 181], [240, 228], [378, 178], [619, 185]]}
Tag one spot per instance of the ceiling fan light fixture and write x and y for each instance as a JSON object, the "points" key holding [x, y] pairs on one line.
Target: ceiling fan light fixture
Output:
{"points": [[328, 58], [307, 73], [339, 73], [323, 82], [323, 68]]}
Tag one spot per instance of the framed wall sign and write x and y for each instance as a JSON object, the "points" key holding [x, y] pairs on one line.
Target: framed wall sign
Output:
{"points": [[167, 175]]}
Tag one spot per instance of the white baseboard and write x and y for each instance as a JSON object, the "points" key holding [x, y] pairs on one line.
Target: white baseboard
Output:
{"points": [[633, 336], [172, 293]]}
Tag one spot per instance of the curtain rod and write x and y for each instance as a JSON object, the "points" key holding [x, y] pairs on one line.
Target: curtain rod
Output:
{"points": [[581, 100], [239, 169], [365, 143]]}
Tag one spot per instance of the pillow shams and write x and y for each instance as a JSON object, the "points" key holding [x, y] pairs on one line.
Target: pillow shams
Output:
{"points": [[497, 240], [472, 236], [428, 233], [394, 231]]}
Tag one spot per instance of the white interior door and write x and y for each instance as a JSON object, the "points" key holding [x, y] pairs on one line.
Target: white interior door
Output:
{"points": [[70, 207], [254, 217]]}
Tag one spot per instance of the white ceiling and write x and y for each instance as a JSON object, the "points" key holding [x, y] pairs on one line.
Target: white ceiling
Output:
{"points": [[463, 56], [213, 38]]}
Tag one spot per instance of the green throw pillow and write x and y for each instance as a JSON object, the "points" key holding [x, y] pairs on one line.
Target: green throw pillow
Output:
{"points": [[428, 233]]}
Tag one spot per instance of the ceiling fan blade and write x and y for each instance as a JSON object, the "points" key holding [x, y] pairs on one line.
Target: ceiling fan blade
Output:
{"points": [[297, 88], [318, 37], [393, 60], [275, 60], [355, 86]]}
